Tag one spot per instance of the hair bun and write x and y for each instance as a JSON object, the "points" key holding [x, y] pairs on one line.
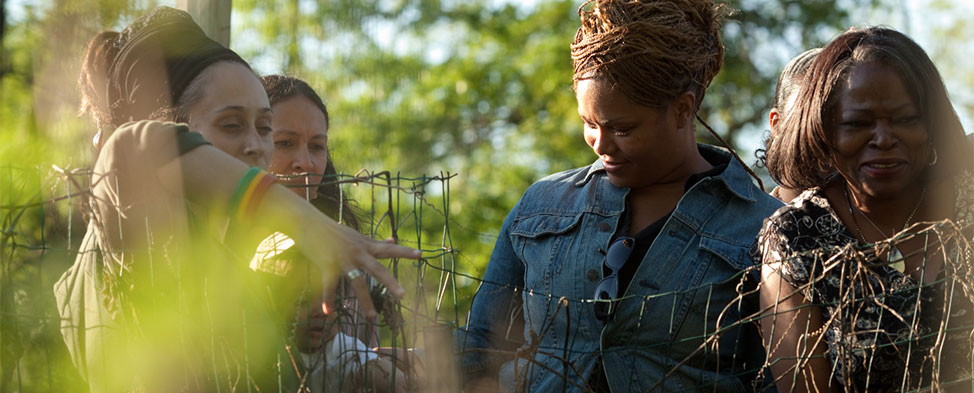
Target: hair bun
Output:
{"points": [[152, 62], [652, 50]]}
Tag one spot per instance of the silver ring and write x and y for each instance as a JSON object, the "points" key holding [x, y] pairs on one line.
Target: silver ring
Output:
{"points": [[354, 274]]}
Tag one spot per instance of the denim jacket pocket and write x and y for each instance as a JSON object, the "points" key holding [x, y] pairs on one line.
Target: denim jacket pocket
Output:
{"points": [[539, 242], [709, 286], [734, 255], [717, 301]]}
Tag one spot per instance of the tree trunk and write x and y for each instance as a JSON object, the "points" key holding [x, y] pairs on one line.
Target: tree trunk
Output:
{"points": [[212, 15], [3, 50], [293, 62]]}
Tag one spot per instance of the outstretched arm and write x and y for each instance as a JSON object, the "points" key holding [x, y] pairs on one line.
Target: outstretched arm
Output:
{"points": [[209, 176]]}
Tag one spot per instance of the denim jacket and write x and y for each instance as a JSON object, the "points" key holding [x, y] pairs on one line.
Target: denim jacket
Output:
{"points": [[548, 259]]}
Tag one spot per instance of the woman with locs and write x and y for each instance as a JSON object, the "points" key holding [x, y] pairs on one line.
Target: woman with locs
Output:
{"points": [[860, 291], [615, 274], [158, 298]]}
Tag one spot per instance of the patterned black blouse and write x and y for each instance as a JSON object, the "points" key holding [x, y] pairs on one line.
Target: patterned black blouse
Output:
{"points": [[884, 329]]}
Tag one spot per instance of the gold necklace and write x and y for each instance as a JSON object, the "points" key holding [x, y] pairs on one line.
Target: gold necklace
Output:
{"points": [[895, 257]]}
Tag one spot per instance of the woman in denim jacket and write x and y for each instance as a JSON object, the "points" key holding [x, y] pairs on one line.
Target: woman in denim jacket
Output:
{"points": [[658, 228]]}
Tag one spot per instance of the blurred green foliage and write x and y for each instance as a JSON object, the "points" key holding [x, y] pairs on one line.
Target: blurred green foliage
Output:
{"points": [[476, 88], [39, 57], [483, 89]]}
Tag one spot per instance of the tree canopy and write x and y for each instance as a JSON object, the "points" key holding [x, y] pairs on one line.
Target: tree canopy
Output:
{"points": [[478, 88], [483, 89]]}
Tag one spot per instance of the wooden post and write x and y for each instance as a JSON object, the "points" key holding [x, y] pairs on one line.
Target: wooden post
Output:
{"points": [[212, 15]]}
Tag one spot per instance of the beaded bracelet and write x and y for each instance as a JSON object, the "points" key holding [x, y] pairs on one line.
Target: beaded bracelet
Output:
{"points": [[248, 193]]}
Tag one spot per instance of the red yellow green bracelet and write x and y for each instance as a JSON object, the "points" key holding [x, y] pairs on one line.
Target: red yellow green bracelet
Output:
{"points": [[248, 193]]}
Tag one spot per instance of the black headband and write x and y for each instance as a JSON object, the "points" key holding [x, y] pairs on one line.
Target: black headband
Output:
{"points": [[163, 39]]}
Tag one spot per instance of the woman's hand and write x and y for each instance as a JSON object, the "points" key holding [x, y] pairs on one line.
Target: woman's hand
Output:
{"points": [[362, 254], [210, 176], [381, 376], [410, 362], [334, 248]]}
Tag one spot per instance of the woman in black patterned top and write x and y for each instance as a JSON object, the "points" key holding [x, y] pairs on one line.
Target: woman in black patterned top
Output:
{"points": [[854, 298]]}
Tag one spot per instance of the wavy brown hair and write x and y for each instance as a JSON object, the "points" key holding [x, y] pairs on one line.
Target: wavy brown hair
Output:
{"points": [[792, 77], [801, 157]]}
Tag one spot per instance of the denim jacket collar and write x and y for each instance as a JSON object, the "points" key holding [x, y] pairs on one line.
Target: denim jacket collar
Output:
{"points": [[735, 178], [596, 167]]}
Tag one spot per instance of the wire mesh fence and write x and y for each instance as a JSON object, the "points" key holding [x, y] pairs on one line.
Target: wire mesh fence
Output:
{"points": [[45, 213], [260, 327], [873, 325]]}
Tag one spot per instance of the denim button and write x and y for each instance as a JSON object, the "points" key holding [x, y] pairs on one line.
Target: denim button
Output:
{"points": [[592, 275], [604, 227]]}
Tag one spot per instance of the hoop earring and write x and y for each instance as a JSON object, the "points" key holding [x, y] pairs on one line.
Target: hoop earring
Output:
{"points": [[96, 140], [935, 158], [825, 170]]}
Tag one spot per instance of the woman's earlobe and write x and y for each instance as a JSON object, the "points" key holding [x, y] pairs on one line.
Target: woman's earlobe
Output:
{"points": [[686, 104]]}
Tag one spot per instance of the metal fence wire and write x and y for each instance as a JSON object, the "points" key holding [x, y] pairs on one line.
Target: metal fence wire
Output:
{"points": [[250, 320]]}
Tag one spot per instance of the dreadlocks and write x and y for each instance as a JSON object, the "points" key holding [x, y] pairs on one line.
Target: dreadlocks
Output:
{"points": [[652, 50]]}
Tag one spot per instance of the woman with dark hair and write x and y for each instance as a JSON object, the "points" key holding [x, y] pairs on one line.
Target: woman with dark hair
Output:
{"points": [[617, 273], [158, 298], [791, 78], [335, 349], [301, 146], [861, 299]]}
